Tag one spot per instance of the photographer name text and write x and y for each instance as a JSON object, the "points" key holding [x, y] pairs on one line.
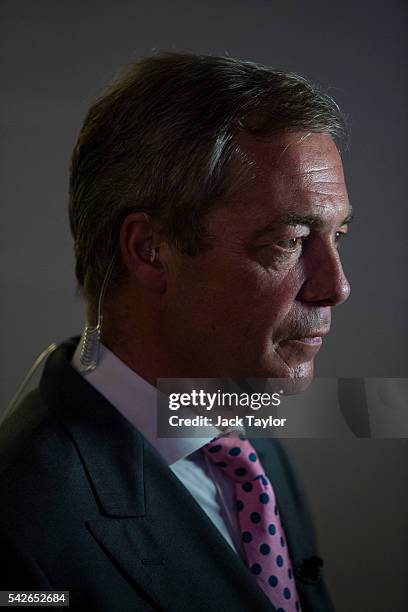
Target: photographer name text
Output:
{"points": [[236, 421]]}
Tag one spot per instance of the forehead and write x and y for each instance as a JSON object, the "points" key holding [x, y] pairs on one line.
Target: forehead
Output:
{"points": [[290, 173]]}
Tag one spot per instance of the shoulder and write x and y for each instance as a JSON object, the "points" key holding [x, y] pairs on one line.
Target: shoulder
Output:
{"points": [[28, 437], [20, 571], [39, 465]]}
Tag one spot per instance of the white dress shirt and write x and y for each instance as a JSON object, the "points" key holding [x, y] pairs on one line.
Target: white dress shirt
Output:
{"points": [[136, 400]]}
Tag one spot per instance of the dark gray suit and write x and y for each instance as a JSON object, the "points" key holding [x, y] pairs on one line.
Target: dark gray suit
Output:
{"points": [[88, 505]]}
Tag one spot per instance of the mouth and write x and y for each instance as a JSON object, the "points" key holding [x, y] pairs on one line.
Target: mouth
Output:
{"points": [[301, 349], [312, 340]]}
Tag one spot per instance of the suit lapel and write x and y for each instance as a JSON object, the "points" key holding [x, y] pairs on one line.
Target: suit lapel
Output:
{"points": [[148, 523], [175, 553]]}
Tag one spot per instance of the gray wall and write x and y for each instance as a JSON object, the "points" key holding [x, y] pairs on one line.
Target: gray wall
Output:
{"points": [[56, 56]]}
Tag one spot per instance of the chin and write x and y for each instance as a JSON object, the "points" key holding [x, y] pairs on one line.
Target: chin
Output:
{"points": [[291, 379], [302, 377]]}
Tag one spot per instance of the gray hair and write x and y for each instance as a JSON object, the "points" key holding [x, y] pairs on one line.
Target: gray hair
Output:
{"points": [[161, 139]]}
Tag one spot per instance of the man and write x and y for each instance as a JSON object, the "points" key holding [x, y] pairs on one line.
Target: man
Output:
{"points": [[207, 200]]}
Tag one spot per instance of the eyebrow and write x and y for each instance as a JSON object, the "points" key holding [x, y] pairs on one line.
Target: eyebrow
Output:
{"points": [[298, 219]]}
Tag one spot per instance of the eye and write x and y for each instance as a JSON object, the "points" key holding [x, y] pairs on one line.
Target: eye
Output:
{"points": [[339, 236], [292, 244]]}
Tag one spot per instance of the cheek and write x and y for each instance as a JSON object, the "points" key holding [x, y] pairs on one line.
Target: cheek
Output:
{"points": [[236, 302], [274, 292], [254, 303]]}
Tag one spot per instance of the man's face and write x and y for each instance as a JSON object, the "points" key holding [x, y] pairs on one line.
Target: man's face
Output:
{"points": [[258, 302]]}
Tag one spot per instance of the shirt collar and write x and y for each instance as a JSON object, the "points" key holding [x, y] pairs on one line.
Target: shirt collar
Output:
{"points": [[136, 399]]}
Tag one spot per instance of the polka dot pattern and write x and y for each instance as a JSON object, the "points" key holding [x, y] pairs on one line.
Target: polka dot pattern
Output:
{"points": [[273, 581], [263, 537], [256, 569]]}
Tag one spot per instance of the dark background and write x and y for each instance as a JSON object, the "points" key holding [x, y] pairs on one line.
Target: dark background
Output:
{"points": [[57, 56]]}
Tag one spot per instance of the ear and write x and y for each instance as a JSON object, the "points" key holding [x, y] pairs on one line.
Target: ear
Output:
{"points": [[140, 254]]}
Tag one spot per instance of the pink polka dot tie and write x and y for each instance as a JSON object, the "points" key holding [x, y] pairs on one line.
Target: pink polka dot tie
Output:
{"points": [[261, 528]]}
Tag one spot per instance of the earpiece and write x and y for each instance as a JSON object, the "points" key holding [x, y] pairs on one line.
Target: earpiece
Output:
{"points": [[153, 250], [153, 254], [149, 254]]}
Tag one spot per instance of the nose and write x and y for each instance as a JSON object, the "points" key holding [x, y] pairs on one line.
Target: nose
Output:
{"points": [[325, 283]]}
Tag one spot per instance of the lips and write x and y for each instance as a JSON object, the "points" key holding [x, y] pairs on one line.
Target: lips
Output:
{"points": [[313, 340], [300, 349]]}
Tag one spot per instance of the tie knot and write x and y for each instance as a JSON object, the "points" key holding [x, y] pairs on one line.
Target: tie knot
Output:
{"points": [[236, 456]]}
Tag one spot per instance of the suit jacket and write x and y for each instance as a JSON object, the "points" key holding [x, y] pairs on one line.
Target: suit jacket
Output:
{"points": [[89, 506]]}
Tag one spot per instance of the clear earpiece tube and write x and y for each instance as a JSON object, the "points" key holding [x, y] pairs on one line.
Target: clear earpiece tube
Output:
{"points": [[91, 335], [89, 348]]}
